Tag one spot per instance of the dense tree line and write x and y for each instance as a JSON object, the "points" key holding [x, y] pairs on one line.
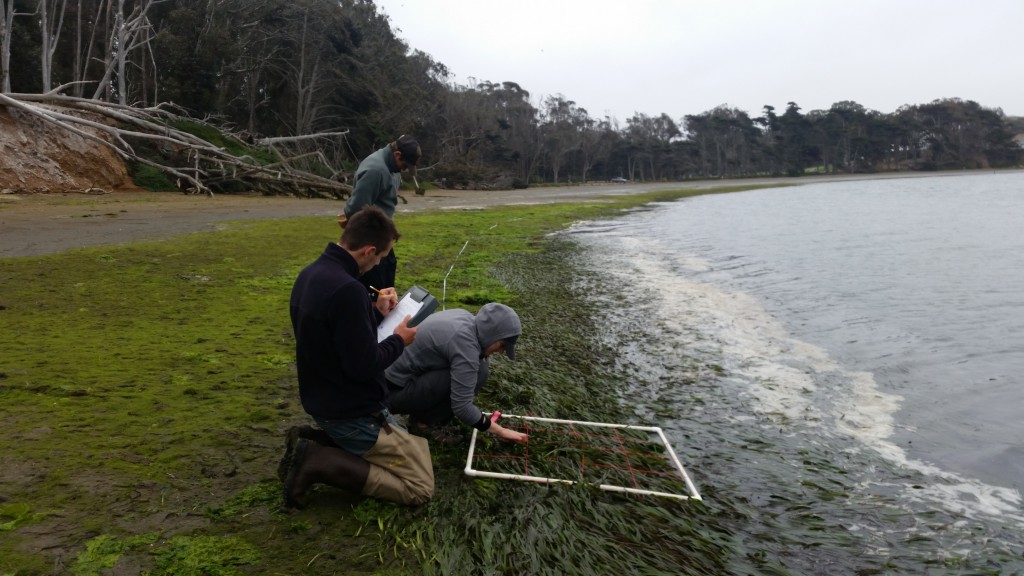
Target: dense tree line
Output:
{"points": [[295, 67]]}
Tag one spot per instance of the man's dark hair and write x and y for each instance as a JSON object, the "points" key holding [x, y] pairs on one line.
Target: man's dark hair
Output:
{"points": [[370, 226]]}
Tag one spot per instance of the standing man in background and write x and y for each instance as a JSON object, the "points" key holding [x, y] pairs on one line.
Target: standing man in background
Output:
{"points": [[377, 180]]}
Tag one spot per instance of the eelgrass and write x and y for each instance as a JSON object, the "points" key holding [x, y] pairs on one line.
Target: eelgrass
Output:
{"points": [[145, 389], [623, 458]]}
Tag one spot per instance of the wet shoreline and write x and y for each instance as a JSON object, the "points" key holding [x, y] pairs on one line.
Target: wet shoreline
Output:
{"points": [[39, 224]]}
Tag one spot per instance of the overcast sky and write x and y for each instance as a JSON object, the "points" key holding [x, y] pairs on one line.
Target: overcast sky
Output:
{"points": [[618, 57]]}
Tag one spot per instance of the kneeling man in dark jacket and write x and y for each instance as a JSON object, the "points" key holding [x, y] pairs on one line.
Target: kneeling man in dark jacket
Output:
{"points": [[341, 365]]}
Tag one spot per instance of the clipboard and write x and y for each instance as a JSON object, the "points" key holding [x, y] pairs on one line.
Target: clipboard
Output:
{"points": [[416, 302]]}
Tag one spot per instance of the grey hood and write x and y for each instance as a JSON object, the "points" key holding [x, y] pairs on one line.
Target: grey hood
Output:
{"points": [[498, 322]]}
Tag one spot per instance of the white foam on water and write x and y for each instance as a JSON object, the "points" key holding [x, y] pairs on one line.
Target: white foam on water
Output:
{"points": [[782, 373], [867, 413], [778, 369], [966, 496]]}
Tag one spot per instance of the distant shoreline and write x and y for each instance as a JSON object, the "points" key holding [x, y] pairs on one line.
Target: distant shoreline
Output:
{"points": [[39, 224]]}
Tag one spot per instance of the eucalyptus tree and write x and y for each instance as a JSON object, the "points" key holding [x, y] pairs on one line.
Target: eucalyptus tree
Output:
{"points": [[307, 69], [127, 32], [253, 70], [597, 140], [268, 65], [562, 126], [9, 10], [88, 18], [797, 153], [846, 131], [425, 88], [518, 129], [98, 45], [699, 133], [785, 141], [650, 137], [771, 139], [911, 137], [51, 22], [727, 142], [821, 139], [487, 131], [197, 46], [686, 159], [888, 140], [1014, 125], [463, 131], [384, 87], [960, 133]]}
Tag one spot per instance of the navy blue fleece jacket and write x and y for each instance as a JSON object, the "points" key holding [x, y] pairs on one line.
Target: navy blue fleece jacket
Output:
{"points": [[340, 364]]}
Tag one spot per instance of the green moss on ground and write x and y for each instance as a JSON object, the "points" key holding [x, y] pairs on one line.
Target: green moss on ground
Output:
{"points": [[146, 388]]}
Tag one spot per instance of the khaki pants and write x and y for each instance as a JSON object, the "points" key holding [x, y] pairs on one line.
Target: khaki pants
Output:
{"points": [[400, 468]]}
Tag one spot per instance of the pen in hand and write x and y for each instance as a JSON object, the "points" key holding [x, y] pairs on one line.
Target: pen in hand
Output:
{"points": [[392, 301]]}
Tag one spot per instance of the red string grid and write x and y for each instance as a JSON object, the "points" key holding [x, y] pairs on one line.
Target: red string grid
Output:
{"points": [[611, 456]]}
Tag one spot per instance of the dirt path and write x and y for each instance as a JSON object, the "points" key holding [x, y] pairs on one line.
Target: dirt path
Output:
{"points": [[38, 224]]}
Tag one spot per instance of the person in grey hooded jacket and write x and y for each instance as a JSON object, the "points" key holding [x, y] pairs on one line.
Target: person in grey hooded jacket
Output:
{"points": [[438, 375]]}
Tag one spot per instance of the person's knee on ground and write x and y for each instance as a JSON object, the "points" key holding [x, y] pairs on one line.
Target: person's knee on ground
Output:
{"points": [[385, 485], [401, 468]]}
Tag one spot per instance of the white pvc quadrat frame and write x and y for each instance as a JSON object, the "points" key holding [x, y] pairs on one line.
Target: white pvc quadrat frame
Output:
{"points": [[693, 494]]}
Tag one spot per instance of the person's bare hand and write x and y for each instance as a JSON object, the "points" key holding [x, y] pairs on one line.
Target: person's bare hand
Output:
{"points": [[406, 333], [387, 299], [506, 434]]}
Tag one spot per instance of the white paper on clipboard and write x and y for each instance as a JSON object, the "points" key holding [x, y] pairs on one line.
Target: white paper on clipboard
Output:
{"points": [[416, 302]]}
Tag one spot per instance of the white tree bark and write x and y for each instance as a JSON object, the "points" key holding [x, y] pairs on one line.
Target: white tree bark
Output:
{"points": [[306, 77], [7, 15], [124, 38], [51, 21]]}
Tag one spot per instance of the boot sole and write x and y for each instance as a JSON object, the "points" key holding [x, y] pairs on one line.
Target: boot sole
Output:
{"points": [[294, 433], [298, 455]]}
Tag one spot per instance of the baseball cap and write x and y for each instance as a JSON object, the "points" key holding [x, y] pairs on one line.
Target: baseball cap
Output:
{"points": [[410, 150], [510, 347]]}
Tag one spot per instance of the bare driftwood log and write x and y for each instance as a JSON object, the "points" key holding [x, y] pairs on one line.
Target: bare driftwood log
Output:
{"points": [[195, 164]]}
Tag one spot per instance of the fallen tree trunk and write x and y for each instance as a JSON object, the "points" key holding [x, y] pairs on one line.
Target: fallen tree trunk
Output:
{"points": [[149, 137]]}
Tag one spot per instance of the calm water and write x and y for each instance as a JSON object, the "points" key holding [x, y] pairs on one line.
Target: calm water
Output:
{"points": [[841, 365]]}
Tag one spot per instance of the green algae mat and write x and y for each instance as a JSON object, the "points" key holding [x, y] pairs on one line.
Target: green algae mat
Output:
{"points": [[145, 389]]}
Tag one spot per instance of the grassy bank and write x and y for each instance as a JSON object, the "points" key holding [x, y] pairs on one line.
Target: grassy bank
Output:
{"points": [[146, 388]]}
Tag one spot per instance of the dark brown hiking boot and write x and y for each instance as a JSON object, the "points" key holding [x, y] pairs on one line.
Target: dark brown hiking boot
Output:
{"points": [[313, 462]]}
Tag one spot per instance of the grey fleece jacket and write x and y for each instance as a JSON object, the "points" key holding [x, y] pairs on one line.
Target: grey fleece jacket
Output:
{"points": [[377, 181], [455, 340]]}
